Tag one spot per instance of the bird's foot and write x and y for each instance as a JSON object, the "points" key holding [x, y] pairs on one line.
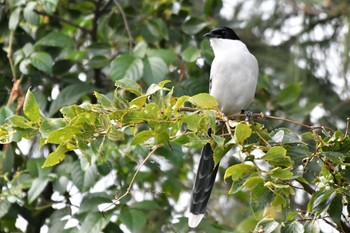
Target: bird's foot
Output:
{"points": [[248, 115]]}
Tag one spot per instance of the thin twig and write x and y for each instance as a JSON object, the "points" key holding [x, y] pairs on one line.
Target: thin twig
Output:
{"points": [[262, 115], [347, 127], [62, 20], [117, 199], [9, 55], [125, 23], [16, 91]]}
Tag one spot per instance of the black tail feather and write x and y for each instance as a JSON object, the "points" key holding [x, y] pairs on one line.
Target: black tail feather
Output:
{"points": [[204, 181]]}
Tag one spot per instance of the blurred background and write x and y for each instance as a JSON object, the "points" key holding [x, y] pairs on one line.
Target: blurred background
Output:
{"points": [[65, 50]]}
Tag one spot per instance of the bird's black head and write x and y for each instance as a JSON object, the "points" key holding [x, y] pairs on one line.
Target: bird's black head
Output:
{"points": [[223, 33]]}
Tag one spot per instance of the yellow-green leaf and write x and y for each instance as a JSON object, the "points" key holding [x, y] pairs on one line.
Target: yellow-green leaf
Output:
{"points": [[62, 135], [129, 85], [31, 108], [242, 132], [56, 157], [142, 137], [237, 171], [204, 101], [277, 156]]}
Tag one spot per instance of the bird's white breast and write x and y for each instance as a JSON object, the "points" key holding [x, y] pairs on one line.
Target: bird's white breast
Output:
{"points": [[234, 74]]}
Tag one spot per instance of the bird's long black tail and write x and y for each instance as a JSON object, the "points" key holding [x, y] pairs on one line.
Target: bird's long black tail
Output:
{"points": [[203, 185]]}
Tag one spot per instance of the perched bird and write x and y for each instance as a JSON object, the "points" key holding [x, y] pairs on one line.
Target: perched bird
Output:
{"points": [[233, 79]]}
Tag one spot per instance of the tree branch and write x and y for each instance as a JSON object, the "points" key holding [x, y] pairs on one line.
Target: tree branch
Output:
{"points": [[62, 20], [125, 23], [262, 115], [118, 198]]}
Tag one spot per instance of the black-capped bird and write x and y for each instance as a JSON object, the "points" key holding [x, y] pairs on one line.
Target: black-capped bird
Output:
{"points": [[233, 78]]}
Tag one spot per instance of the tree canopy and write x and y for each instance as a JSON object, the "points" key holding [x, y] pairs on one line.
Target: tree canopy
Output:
{"points": [[104, 110]]}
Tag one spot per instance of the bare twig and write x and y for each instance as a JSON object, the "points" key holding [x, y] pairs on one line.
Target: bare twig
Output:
{"points": [[62, 20], [16, 91], [262, 115], [125, 23], [347, 127], [9, 55], [118, 198]]}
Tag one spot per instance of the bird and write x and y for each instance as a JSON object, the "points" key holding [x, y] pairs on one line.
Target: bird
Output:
{"points": [[233, 79]]}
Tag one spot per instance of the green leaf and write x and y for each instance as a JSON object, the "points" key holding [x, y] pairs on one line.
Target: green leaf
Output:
{"points": [[167, 55], [237, 171], [252, 181], [190, 54], [115, 134], [203, 101], [335, 157], [5, 113], [56, 157], [95, 222], [30, 15], [30, 107], [153, 88], [126, 66], [192, 121], [134, 219], [190, 140], [155, 70], [320, 201], [20, 122], [336, 208], [92, 200], [285, 136], [259, 198], [267, 225], [194, 25], [38, 185], [77, 175], [4, 207], [133, 118], [69, 95], [279, 200], [293, 227], [129, 85], [35, 169], [51, 124], [242, 132], [142, 137], [157, 28], [280, 173], [103, 100], [98, 61], [62, 135], [138, 102], [210, 7], [49, 5], [56, 39], [146, 205], [312, 227], [90, 175], [289, 95], [42, 61], [14, 18], [276, 156]]}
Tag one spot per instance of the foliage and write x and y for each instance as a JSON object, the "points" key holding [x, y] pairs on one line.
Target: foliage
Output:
{"points": [[111, 127]]}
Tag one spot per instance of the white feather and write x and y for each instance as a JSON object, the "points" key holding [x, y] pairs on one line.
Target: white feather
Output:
{"points": [[194, 220], [233, 73]]}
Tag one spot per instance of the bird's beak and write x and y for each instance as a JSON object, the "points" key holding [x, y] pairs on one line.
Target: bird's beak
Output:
{"points": [[210, 35]]}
